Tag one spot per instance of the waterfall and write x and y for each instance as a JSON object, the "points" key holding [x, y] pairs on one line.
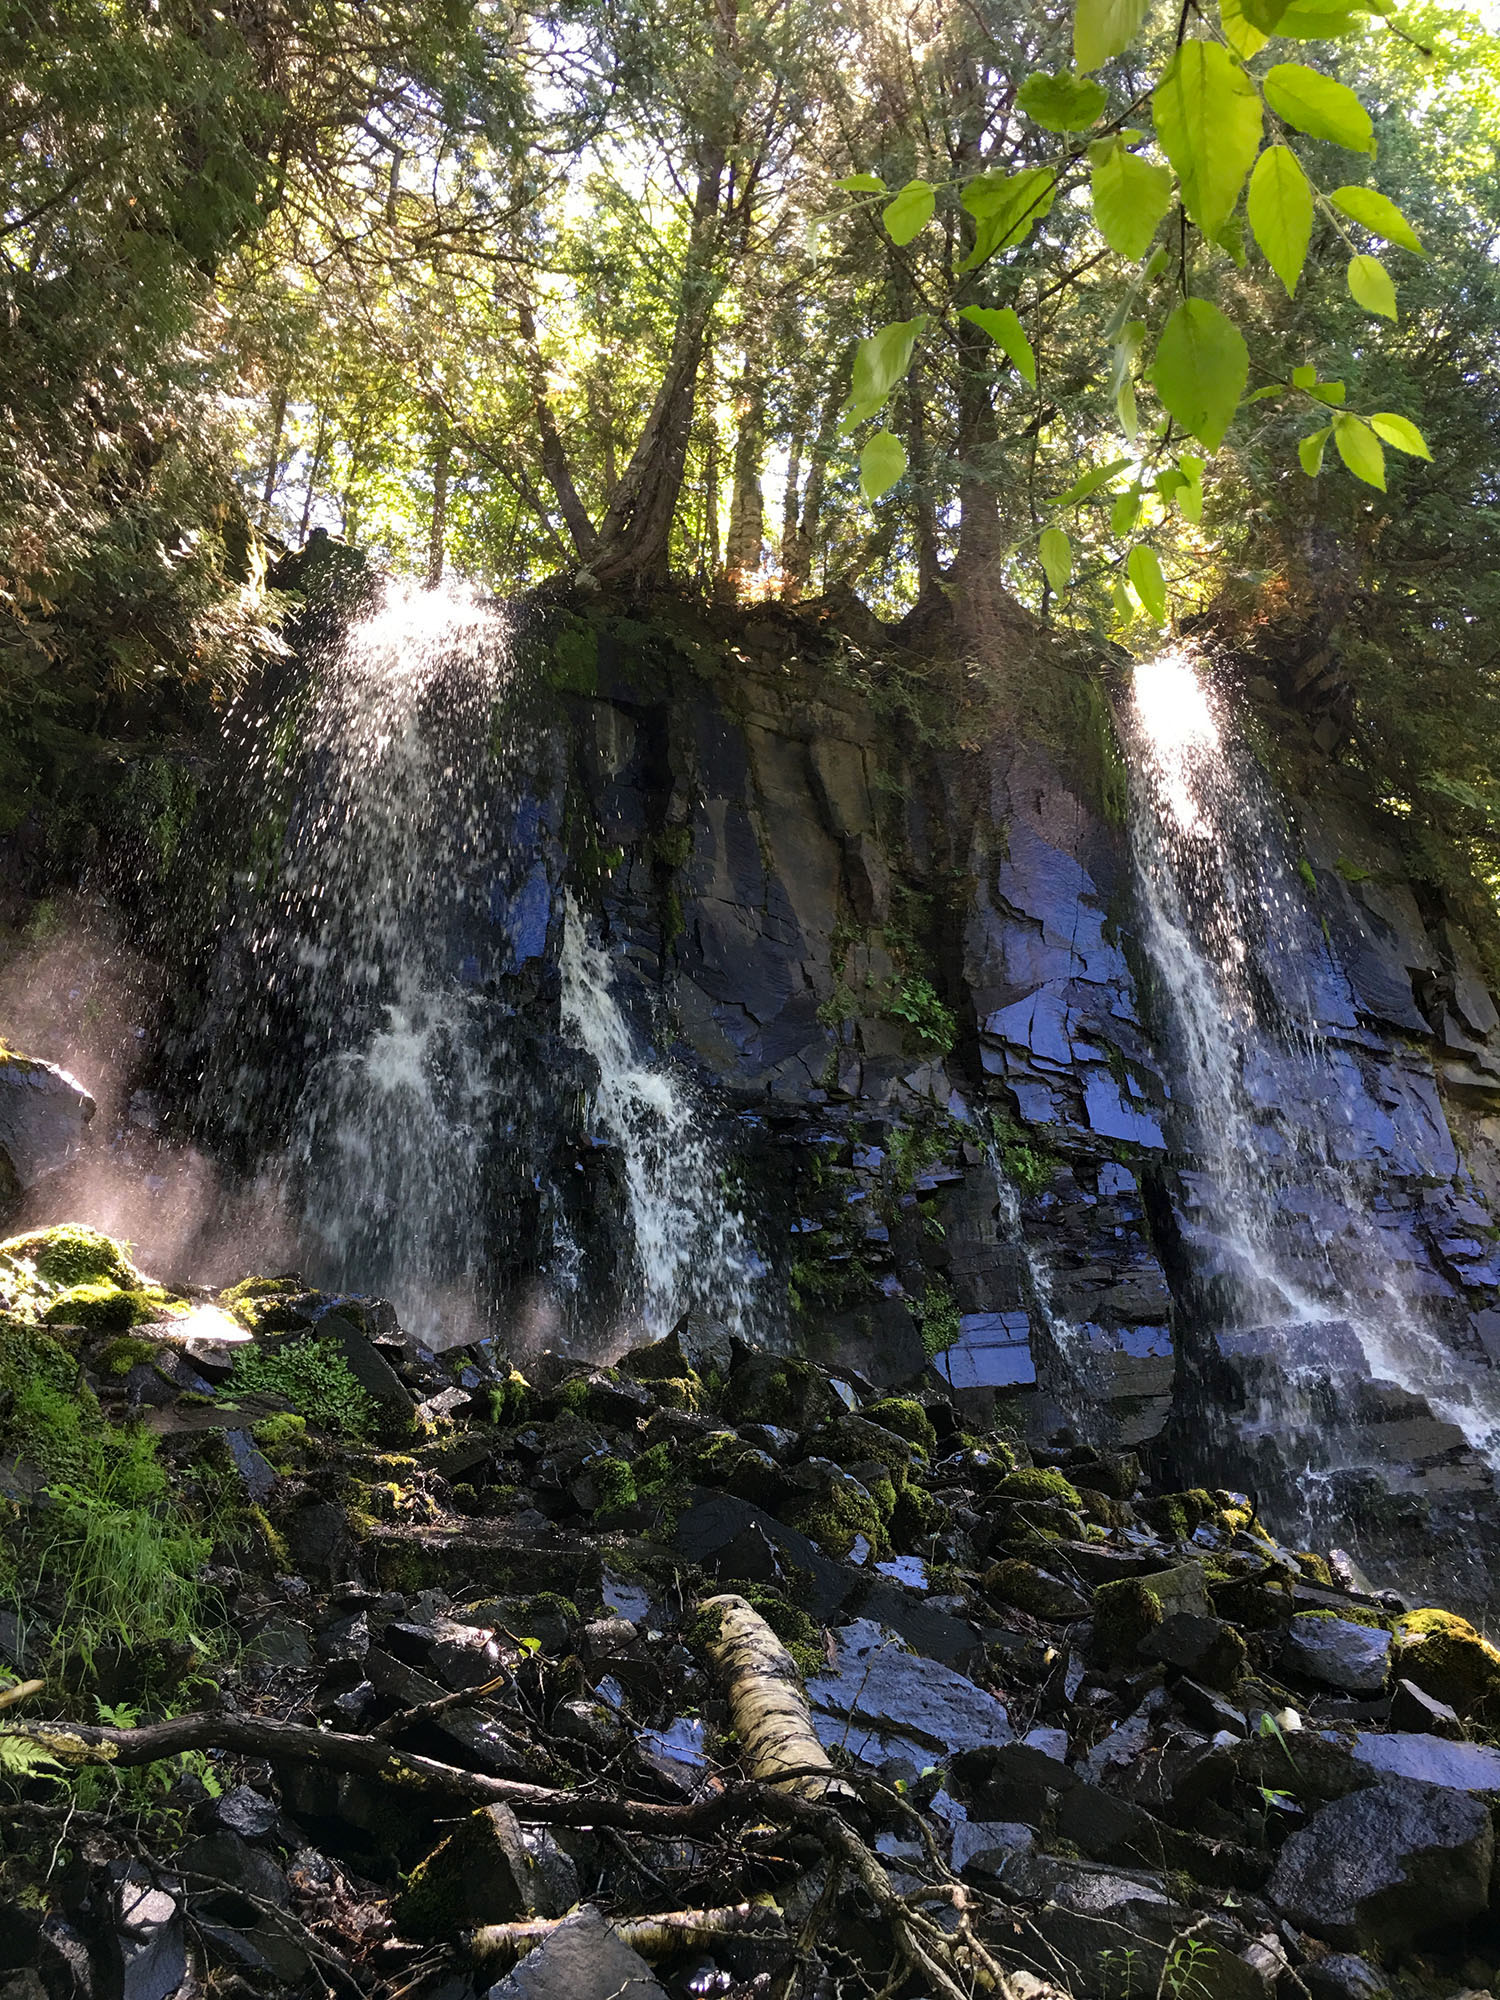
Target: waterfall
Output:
{"points": [[692, 1247], [1262, 1095], [388, 860]]}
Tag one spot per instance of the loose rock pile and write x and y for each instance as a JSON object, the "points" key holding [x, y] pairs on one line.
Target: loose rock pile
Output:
{"points": [[502, 1684]]}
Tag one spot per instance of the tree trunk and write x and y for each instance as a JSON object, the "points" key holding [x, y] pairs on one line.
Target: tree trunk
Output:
{"points": [[636, 533], [745, 540], [273, 469], [929, 568], [315, 465], [797, 552], [554, 456], [437, 540]]}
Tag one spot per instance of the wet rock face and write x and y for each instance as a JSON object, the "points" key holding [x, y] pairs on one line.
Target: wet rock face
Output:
{"points": [[44, 1121], [1387, 1865], [792, 870]]}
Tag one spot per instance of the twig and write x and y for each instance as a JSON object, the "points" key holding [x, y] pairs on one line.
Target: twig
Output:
{"points": [[427, 1710]]}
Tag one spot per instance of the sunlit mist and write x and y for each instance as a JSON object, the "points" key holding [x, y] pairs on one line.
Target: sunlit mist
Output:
{"points": [[1179, 731]]}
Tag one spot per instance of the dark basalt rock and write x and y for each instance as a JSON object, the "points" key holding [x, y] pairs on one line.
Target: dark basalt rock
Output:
{"points": [[1386, 1865]]}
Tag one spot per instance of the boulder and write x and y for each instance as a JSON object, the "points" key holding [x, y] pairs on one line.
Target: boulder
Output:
{"points": [[582, 1959], [1385, 1865], [44, 1119], [882, 1701], [481, 1874], [1337, 1652], [1429, 1760], [1449, 1660]]}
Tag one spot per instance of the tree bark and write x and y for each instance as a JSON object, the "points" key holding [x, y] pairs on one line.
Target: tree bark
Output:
{"points": [[636, 533], [554, 455], [437, 540], [745, 541]]}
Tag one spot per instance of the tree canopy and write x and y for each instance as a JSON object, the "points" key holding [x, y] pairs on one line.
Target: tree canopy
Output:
{"points": [[1111, 315]]}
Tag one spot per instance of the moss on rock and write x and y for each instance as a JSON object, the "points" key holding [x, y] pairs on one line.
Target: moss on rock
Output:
{"points": [[1449, 1660], [1124, 1613], [905, 1416], [70, 1253], [100, 1305], [1031, 1482]]}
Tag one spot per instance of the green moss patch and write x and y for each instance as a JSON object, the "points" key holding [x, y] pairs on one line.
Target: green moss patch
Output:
{"points": [[1449, 1660]]}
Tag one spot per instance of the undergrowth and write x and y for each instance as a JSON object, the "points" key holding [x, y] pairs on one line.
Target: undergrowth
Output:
{"points": [[106, 1539], [314, 1378]]}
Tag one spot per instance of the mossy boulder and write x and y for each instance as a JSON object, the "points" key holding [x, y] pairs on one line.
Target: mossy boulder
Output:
{"points": [[1033, 1590], [836, 1519], [905, 1416], [71, 1254], [481, 1874], [266, 1305], [1127, 1612], [1176, 1517], [1445, 1657], [1032, 1482], [730, 1462], [774, 1389], [100, 1306]]}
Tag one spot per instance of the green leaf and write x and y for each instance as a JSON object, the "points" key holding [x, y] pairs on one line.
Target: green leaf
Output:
{"points": [[1131, 196], [1063, 103], [881, 464], [1104, 28], [1190, 497], [1124, 606], [1006, 208], [1360, 450], [1200, 371], [1319, 106], [1208, 119], [1007, 332], [1374, 212], [1126, 511], [1370, 285], [1280, 208], [1264, 395], [1400, 432], [879, 364], [861, 184], [1331, 393], [1310, 20], [1121, 386], [1090, 483], [1310, 450], [910, 211], [1056, 553], [1144, 569], [1304, 376], [1240, 31]]}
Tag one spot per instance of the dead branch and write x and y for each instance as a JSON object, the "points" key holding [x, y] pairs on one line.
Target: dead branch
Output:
{"points": [[498, 1946]]}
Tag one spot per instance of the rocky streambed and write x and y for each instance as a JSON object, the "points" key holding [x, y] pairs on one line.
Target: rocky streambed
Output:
{"points": [[338, 1666]]}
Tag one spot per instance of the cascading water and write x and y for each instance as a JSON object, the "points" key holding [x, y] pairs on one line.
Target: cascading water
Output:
{"points": [[692, 1246], [387, 859], [1240, 961]]}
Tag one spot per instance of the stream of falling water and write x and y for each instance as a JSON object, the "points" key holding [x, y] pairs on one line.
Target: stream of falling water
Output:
{"points": [[1238, 953], [692, 1247], [389, 845]]}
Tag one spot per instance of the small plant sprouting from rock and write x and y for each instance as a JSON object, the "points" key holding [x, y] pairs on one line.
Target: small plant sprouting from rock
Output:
{"points": [[315, 1379], [937, 1317]]}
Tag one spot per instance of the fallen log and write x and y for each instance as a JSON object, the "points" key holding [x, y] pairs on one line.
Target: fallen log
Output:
{"points": [[766, 1702], [496, 1947]]}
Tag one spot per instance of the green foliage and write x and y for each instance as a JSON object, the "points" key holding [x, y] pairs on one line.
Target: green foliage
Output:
{"points": [[314, 1378], [111, 1540], [614, 1482], [99, 1306], [937, 1316]]}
